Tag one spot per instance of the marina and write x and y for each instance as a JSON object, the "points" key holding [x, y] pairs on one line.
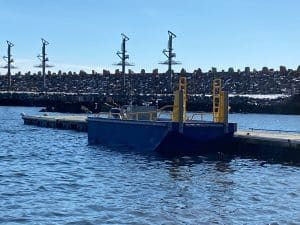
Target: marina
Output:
{"points": [[77, 123], [150, 112], [141, 128]]}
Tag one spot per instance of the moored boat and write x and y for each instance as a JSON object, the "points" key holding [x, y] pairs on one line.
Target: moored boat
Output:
{"points": [[142, 128]]}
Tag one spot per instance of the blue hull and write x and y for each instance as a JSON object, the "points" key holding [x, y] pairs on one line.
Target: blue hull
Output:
{"points": [[162, 136]]}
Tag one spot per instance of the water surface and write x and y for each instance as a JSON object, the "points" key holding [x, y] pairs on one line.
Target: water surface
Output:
{"points": [[50, 176]]}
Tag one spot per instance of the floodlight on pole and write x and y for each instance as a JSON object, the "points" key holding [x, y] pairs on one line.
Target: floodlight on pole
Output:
{"points": [[123, 56], [170, 55], [9, 60], [42, 57]]}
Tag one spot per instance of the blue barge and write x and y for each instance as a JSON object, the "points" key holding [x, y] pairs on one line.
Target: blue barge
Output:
{"points": [[163, 136], [179, 135]]}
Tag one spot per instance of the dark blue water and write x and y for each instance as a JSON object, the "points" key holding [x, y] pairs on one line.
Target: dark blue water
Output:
{"points": [[51, 176]]}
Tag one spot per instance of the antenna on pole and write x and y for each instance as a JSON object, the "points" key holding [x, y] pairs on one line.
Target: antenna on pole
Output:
{"points": [[123, 56], [170, 55], [9, 60], [42, 57]]}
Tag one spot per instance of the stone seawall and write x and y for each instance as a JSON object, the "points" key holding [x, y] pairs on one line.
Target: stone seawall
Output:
{"points": [[93, 102]]}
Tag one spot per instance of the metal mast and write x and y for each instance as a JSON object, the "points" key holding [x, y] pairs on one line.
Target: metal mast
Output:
{"points": [[9, 60], [170, 55], [123, 56], [42, 57]]}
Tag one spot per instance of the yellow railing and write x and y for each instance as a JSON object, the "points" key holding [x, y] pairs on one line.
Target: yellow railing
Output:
{"points": [[179, 106], [137, 115], [152, 117], [219, 114], [217, 100], [159, 113], [194, 114], [163, 110]]}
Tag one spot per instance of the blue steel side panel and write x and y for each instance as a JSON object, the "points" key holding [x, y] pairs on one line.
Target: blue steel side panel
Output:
{"points": [[160, 136], [198, 138], [206, 131], [140, 135], [202, 132]]}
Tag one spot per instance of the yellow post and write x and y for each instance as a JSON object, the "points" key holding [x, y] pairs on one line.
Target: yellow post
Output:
{"points": [[220, 103], [217, 87], [179, 110]]}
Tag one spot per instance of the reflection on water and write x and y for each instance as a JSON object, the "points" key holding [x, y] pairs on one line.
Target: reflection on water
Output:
{"points": [[52, 176]]}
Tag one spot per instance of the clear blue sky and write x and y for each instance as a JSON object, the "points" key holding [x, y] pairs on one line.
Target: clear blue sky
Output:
{"points": [[86, 33]]}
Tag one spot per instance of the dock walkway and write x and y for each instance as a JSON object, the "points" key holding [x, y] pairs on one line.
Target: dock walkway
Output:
{"points": [[77, 123], [275, 139]]}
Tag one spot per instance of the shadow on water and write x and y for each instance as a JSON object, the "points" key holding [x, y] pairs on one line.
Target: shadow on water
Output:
{"points": [[218, 157]]}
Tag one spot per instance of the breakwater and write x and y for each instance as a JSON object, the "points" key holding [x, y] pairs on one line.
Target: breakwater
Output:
{"points": [[198, 82], [71, 92], [94, 102]]}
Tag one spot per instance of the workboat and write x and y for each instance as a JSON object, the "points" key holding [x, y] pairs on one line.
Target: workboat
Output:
{"points": [[143, 129]]}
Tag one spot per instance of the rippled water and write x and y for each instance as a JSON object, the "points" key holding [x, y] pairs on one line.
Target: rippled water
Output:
{"points": [[51, 176]]}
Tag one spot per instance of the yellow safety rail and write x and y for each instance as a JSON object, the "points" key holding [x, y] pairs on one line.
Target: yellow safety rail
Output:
{"points": [[217, 100], [220, 102], [179, 107], [162, 110], [181, 87], [137, 115], [200, 114]]}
